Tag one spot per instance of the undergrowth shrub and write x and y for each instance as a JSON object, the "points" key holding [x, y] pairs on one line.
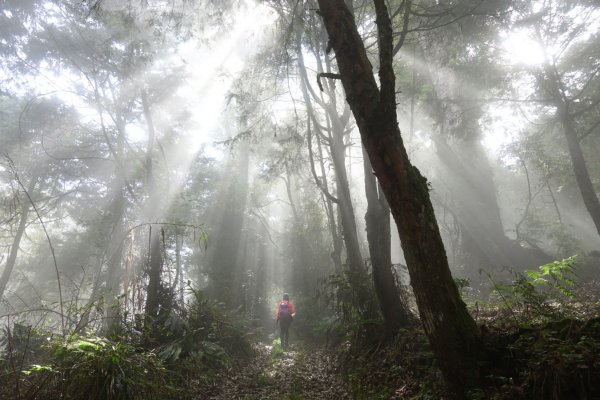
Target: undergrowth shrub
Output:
{"points": [[557, 361], [343, 319], [403, 368], [22, 343], [277, 349], [97, 368], [542, 341], [540, 295], [179, 354]]}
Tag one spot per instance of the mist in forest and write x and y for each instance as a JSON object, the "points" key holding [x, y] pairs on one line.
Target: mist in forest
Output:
{"points": [[151, 150]]}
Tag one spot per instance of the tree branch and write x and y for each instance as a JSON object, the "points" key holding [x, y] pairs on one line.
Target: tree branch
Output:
{"points": [[407, 6], [319, 183], [326, 75]]}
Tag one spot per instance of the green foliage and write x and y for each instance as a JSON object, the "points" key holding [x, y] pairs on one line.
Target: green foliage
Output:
{"points": [[277, 349], [545, 292], [210, 323], [97, 368], [144, 358], [23, 343], [550, 350], [558, 275], [199, 341], [345, 318], [560, 360]]}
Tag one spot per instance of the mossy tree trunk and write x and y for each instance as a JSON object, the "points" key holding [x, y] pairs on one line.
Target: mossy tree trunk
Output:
{"points": [[451, 331]]}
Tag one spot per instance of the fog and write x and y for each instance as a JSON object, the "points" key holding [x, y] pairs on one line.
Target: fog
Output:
{"points": [[151, 149]]}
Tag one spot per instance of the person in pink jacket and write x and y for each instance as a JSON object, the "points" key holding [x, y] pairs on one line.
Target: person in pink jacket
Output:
{"points": [[285, 316]]}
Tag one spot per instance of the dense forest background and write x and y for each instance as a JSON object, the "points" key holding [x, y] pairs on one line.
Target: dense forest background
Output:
{"points": [[169, 169]]}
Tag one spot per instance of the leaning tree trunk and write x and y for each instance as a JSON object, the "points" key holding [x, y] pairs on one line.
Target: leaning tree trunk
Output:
{"points": [[452, 332], [14, 248], [377, 218]]}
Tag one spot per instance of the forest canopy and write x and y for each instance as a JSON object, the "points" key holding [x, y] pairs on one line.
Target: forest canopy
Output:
{"points": [[169, 169]]}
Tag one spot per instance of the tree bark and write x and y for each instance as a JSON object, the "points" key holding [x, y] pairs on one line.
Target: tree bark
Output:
{"points": [[452, 332], [153, 301], [377, 218]]}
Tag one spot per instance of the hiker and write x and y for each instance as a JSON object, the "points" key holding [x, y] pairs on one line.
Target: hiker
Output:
{"points": [[285, 316]]}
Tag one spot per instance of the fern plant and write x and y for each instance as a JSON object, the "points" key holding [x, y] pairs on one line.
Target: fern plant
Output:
{"points": [[558, 276], [545, 292]]}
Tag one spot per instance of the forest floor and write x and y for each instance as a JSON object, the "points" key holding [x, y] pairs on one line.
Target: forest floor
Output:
{"points": [[301, 372]]}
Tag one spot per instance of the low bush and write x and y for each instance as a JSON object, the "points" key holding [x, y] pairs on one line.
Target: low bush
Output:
{"points": [[97, 368]]}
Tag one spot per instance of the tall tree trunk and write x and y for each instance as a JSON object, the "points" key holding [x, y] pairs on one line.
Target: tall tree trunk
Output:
{"points": [[356, 271], [468, 176], [117, 233], [452, 332], [178, 286], [336, 255], [14, 248], [153, 300], [551, 81], [299, 244], [377, 220], [155, 232], [225, 243], [356, 268], [115, 271], [321, 181]]}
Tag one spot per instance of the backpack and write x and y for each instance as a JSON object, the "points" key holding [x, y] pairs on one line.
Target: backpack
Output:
{"points": [[284, 311]]}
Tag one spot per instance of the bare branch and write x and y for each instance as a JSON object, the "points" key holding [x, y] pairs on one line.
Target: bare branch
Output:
{"points": [[326, 75], [318, 181]]}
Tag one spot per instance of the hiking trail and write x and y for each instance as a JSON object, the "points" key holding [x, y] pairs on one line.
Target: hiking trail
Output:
{"points": [[299, 373]]}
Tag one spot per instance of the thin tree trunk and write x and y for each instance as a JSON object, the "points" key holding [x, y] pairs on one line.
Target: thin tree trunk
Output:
{"points": [[452, 332], [322, 180], [114, 273], [377, 220], [177, 287], [553, 85], [153, 301], [155, 256], [356, 271], [14, 248]]}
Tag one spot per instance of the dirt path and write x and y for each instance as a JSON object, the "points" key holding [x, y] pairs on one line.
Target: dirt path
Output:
{"points": [[299, 374]]}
